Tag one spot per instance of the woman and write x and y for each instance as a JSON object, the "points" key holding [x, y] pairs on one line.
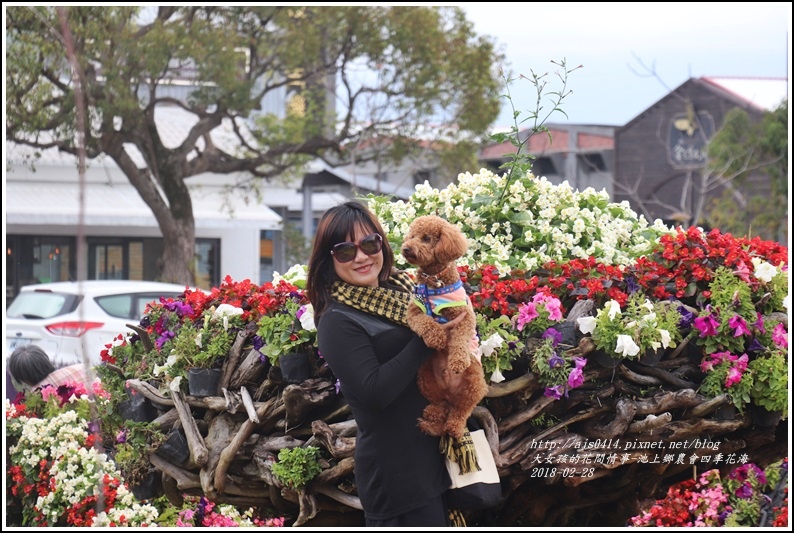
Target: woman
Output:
{"points": [[360, 302], [30, 368]]}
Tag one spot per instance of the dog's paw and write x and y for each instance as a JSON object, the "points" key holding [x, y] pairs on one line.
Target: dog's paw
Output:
{"points": [[458, 364]]}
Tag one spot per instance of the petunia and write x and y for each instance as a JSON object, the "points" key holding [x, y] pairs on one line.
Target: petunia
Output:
{"points": [[665, 335], [576, 377], [764, 270], [587, 324], [739, 326], [780, 336], [554, 335], [554, 392], [613, 309], [626, 346], [526, 314], [497, 377], [687, 317], [306, 316], [555, 361], [707, 325]]}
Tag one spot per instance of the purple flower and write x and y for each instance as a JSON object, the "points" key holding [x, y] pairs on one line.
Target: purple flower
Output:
{"points": [[760, 324], [555, 361], [739, 326], [755, 346], [121, 437], [553, 392], [687, 317], [554, 335], [258, 342], [707, 325], [745, 492], [180, 308], [162, 339]]}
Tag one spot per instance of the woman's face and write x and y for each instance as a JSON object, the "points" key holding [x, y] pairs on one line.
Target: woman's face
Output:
{"points": [[364, 269]]}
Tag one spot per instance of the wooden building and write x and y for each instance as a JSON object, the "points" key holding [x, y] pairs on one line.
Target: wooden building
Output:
{"points": [[660, 155]]}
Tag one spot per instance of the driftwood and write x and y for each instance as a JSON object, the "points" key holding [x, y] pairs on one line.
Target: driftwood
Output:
{"points": [[590, 458]]}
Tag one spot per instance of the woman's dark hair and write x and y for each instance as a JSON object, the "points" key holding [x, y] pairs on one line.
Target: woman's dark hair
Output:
{"points": [[339, 224], [29, 364]]}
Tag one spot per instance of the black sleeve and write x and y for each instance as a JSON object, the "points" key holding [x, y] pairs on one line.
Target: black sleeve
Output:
{"points": [[351, 354]]}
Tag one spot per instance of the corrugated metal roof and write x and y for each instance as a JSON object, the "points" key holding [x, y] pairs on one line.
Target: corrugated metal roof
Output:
{"points": [[764, 93]]}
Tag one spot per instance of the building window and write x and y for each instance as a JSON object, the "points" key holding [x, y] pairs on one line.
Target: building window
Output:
{"points": [[544, 166], [208, 260], [592, 163]]}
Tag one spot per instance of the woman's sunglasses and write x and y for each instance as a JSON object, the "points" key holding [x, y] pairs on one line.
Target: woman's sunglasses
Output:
{"points": [[344, 252]]}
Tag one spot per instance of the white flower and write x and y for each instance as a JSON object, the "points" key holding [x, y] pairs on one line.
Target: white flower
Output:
{"points": [[764, 270], [587, 324], [626, 346], [307, 318], [488, 346], [613, 309], [665, 337], [787, 302], [224, 311], [497, 377]]}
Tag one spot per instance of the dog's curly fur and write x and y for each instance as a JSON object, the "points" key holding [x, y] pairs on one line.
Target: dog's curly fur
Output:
{"points": [[451, 378]]}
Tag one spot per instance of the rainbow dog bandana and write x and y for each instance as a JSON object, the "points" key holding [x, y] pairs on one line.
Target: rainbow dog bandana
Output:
{"points": [[433, 301]]}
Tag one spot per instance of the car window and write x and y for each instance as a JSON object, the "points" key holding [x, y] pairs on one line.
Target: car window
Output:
{"points": [[118, 305], [41, 305], [145, 299]]}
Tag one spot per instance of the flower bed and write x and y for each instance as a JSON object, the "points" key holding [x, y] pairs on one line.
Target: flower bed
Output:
{"points": [[711, 304]]}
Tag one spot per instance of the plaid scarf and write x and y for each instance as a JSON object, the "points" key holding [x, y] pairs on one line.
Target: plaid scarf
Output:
{"points": [[390, 302]]}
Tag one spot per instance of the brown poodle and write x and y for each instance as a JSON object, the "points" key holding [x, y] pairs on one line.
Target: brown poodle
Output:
{"points": [[452, 378]]}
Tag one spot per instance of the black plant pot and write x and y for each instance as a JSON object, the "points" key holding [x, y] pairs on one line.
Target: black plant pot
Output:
{"points": [[203, 381], [764, 418], [570, 333], [137, 408], [148, 488], [174, 449], [651, 357], [604, 359], [726, 412], [295, 367]]}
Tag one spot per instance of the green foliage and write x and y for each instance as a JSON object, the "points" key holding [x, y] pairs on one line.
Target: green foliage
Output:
{"points": [[520, 164], [283, 332], [649, 326], [297, 466], [499, 345], [730, 296], [770, 382], [714, 384]]}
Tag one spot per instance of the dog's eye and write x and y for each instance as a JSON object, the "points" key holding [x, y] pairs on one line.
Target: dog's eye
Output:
{"points": [[426, 238]]}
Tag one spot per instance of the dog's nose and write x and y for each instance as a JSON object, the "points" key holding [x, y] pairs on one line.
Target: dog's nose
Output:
{"points": [[406, 250]]}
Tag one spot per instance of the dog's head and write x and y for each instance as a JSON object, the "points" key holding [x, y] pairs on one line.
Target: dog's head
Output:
{"points": [[431, 240]]}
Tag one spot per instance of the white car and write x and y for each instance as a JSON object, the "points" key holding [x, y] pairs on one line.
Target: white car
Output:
{"points": [[67, 318]]}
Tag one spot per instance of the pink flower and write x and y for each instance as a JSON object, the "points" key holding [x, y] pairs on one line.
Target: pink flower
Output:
{"points": [[780, 336], [707, 325], [526, 314], [576, 377], [739, 326]]}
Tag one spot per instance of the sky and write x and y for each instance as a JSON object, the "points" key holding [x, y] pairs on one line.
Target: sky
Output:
{"points": [[621, 45]]}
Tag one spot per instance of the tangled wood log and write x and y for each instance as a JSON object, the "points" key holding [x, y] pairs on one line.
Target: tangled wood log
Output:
{"points": [[621, 438]]}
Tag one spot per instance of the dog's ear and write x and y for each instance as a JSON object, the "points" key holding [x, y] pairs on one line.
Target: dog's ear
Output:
{"points": [[452, 244]]}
